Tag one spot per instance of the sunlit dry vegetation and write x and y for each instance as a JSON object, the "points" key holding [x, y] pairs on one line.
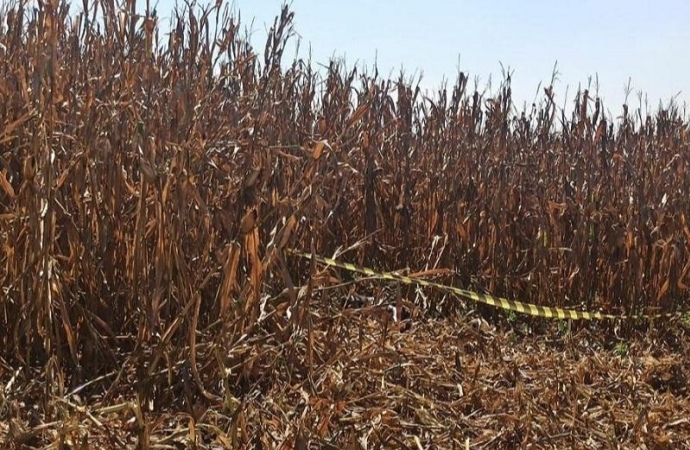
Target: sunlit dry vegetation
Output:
{"points": [[151, 181]]}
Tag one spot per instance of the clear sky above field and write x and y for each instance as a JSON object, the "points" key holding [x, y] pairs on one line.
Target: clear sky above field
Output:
{"points": [[617, 40]]}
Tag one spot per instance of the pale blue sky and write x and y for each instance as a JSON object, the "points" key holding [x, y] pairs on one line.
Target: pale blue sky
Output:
{"points": [[613, 39]]}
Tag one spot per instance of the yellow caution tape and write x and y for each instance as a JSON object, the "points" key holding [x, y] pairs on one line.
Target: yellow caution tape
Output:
{"points": [[499, 302]]}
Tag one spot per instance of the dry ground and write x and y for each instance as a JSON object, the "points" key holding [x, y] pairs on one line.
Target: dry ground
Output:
{"points": [[359, 382]]}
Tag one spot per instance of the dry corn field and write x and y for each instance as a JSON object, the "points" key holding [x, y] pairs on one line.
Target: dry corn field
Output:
{"points": [[157, 181]]}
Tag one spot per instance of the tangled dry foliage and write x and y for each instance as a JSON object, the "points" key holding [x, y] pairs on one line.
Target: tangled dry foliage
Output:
{"points": [[150, 183]]}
